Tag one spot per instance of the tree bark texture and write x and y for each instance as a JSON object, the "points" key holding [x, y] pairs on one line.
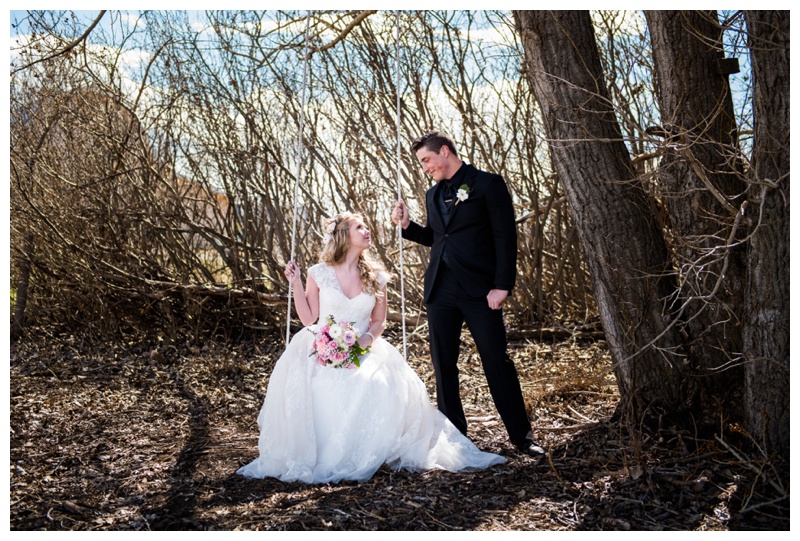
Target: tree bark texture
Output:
{"points": [[621, 238], [702, 188], [766, 332]]}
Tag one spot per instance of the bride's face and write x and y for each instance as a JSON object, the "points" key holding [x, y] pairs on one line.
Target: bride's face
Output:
{"points": [[359, 235]]}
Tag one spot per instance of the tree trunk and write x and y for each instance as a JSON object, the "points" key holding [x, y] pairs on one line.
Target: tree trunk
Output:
{"points": [[766, 327], [622, 241], [701, 188], [18, 324]]}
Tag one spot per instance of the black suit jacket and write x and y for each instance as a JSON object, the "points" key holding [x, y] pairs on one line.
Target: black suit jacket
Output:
{"points": [[481, 235]]}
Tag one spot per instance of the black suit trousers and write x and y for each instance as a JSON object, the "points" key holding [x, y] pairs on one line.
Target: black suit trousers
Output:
{"points": [[449, 307]]}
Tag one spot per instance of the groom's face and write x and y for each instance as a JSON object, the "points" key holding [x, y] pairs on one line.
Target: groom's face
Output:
{"points": [[433, 163]]}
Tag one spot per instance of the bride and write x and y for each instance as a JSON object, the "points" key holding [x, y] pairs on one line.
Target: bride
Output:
{"points": [[325, 423]]}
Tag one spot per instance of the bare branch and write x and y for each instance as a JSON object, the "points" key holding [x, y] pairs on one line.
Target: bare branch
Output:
{"points": [[66, 49], [343, 34]]}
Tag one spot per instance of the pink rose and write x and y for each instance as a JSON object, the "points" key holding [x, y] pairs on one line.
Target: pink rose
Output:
{"points": [[349, 337]]}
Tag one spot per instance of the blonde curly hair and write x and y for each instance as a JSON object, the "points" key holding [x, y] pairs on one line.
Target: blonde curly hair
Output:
{"points": [[336, 242]]}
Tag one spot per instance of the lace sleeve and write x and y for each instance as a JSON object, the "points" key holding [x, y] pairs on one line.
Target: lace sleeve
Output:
{"points": [[383, 278], [319, 273]]}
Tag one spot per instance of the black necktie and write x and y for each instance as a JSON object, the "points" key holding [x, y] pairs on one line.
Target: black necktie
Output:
{"points": [[449, 191]]}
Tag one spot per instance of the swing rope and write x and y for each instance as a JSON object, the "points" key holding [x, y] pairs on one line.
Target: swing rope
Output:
{"points": [[299, 149], [399, 184]]}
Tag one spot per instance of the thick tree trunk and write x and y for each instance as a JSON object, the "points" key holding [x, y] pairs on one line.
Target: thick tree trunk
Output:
{"points": [[702, 189], [766, 328], [622, 241]]}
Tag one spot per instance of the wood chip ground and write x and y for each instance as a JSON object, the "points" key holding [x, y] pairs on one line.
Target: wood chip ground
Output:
{"points": [[142, 436]]}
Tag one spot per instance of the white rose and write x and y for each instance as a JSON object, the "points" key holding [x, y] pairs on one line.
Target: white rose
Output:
{"points": [[335, 331]]}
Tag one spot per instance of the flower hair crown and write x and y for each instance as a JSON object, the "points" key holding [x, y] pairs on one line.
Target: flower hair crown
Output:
{"points": [[328, 236]]}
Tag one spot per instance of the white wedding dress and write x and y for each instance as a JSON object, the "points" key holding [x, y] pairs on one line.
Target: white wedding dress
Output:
{"points": [[320, 424]]}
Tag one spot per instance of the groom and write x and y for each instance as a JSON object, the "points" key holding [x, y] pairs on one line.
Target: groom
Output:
{"points": [[473, 239]]}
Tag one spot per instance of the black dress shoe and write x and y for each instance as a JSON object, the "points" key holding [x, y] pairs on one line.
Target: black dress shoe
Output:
{"points": [[530, 448]]}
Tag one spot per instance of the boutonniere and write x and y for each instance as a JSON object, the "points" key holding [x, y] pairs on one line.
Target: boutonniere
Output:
{"points": [[463, 193]]}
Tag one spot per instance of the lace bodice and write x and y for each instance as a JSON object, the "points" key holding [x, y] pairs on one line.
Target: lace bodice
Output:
{"points": [[333, 301]]}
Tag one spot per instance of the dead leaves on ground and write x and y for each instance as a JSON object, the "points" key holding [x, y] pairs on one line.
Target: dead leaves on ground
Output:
{"points": [[148, 437]]}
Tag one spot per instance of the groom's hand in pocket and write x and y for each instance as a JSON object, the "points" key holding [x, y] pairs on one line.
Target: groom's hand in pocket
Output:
{"points": [[496, 298]]}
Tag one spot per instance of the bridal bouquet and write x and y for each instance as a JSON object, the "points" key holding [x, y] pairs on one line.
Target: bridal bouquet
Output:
{"points": [[336, 344]]}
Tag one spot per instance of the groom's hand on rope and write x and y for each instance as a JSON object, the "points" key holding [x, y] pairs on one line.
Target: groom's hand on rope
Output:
{"points": [[400, 214]]}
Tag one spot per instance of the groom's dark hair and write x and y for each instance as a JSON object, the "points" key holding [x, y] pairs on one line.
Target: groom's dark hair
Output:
{"points": [[434, 141]]}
